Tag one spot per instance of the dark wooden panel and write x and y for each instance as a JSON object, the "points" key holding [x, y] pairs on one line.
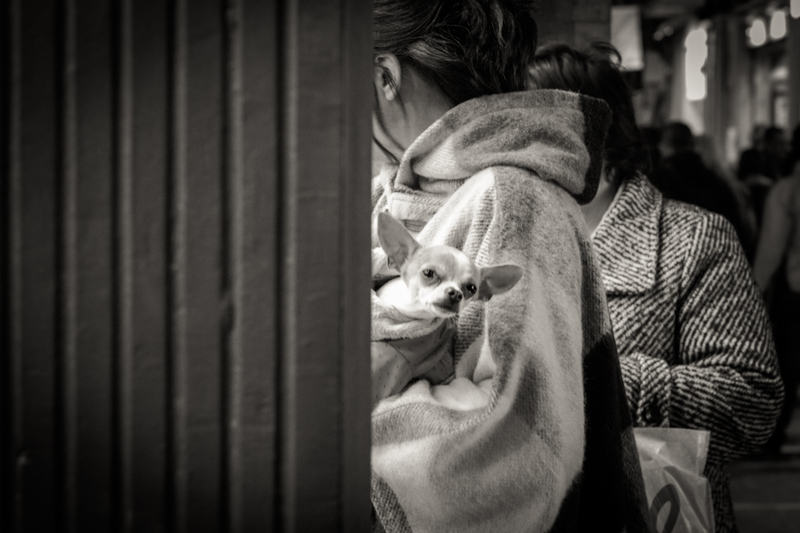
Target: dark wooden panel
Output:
{"points": [[145, 80], [184, 252], [6, 434], [89, 315], [35, 268], [202, 295], [311, 396], [355, 176], [254, 231]]}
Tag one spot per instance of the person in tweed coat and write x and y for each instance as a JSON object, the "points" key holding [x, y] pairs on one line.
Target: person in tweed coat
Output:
{"points": [[690, 325]]}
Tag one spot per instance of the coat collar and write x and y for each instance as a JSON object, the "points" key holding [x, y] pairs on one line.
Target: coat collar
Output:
{"points": [[626, 241]]}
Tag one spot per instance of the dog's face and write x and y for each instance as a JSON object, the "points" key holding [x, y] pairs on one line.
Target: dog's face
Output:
{"points": [[440, 279]]}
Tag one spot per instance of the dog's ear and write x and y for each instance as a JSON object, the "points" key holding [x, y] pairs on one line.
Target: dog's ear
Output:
{"points": [[395, 240], [497, 280]]}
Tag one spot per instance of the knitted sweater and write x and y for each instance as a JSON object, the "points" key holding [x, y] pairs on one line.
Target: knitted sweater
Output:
{"points": [[533, 434], [691, 329]]}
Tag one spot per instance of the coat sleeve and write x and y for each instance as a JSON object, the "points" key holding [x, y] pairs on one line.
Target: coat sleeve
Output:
{"points": [[726, 377]]}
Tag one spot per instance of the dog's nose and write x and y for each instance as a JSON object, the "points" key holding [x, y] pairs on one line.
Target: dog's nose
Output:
{"points": [[455, 294]]}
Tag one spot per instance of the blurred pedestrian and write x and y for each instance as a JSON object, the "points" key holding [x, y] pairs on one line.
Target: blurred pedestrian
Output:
{"points": [[689, 323], [757, 184], [793, 155], [775, 151]]}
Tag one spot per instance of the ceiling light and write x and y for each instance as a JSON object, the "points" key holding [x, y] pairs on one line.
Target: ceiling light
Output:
{"points": [[757, 32], [777, 24]]}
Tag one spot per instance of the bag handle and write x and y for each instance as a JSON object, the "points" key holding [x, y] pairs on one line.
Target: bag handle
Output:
{"points": [[667, 495]]}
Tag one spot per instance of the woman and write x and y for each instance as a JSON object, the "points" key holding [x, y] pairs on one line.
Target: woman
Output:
{"points": [[508, 444], [690, 326]]}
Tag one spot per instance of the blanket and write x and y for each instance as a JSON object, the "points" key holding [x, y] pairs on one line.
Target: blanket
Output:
{"points": [[419, 348], [540, 438]]}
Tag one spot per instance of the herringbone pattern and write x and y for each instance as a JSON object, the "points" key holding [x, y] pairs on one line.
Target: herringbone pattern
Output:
{"points": [[690, 327]]}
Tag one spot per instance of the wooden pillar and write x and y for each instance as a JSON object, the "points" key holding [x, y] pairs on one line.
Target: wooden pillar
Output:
{"points": [[184, 296], [740, 86], [717, 117]]}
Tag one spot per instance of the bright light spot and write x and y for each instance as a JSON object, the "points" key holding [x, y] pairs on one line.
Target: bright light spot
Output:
{"points": [[668, 31], [696, 53], [777, 24], [795, 8], [758, 32]]}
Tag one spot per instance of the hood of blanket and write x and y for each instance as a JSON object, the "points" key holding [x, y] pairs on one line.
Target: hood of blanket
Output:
{"points": [[556, 134]]}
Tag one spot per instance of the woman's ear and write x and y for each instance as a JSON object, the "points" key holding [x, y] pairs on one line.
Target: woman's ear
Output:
{"points": [[388, 75]]}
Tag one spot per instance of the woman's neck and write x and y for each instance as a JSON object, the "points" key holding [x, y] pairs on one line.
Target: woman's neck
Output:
{"points": [[593, 211]]}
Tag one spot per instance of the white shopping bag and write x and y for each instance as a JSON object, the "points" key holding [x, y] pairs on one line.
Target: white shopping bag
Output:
{"points": [[678, 495]]}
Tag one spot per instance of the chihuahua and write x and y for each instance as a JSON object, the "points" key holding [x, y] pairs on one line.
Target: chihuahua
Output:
{"points": [[435, 281]]}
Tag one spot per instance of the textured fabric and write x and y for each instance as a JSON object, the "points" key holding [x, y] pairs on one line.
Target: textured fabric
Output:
{"points": [[540, 439], [395, 364], [691, 329], [684, 176]]}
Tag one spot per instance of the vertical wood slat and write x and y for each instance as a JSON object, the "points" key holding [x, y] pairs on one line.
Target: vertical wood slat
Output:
{"points": [[89, 293], [6, 434], [145, 83], [253, 171], [354, 178], [201, 291], [34, 271], [311, 394]]}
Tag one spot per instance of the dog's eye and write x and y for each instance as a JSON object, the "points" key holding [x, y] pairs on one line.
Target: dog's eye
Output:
{"points": [[471, 288], [428, 273]]}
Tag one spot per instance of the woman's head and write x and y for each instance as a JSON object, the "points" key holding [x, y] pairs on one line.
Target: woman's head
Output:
{"points": [[595, 72], [431, 55]]}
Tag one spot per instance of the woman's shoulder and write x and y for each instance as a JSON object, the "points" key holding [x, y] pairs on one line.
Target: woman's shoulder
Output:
{"points": [[699, 240], [685, 235], [682, 221]]}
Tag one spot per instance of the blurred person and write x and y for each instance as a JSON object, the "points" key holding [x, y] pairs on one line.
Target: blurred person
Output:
{"points": [[774, 153], [690, 325], [757, 184], [777, 272], [756, 146], [713, 160], [683, 176], [793, 156], [525, 428]]}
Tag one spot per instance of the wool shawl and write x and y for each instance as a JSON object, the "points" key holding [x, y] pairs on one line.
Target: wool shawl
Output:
{"points": [[533, 432]]}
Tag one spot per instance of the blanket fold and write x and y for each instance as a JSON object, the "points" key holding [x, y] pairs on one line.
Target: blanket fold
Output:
{"points": [[543, 441]]}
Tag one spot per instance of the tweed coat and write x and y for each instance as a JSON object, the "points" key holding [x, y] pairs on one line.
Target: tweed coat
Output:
{"points": [[691, 328]]}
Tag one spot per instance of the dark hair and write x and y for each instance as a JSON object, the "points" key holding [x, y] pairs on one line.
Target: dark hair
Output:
{"points": [[678, 136], [772, 133], [593, 72], [468, 48], [749, 164]]}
